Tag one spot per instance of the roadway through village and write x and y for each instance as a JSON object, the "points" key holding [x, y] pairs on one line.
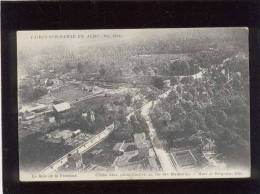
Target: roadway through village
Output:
{"points": [[162, 155]]}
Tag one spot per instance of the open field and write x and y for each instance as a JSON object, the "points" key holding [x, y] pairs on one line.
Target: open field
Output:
{"points": [[66, 93], [69, 93]]}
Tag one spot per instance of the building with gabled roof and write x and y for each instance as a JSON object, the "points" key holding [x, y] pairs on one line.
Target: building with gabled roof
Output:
{"points": [[64, 106], [62, 112], [142, 144]]}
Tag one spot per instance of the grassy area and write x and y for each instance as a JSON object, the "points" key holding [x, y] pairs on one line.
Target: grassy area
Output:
{"points": [[69, 93]]}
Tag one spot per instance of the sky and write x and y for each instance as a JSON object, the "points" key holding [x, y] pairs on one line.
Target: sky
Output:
{"points": [[32, 45], [28, 41]]}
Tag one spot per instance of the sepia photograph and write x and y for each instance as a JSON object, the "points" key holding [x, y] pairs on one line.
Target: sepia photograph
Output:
{"points": [[130, 104]]}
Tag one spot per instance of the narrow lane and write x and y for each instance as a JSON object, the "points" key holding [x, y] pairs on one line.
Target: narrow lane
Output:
{"points": [[162, 155]]}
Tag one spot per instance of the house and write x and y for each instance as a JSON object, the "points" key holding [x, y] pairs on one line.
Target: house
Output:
{"points": [[51, 119], [62, 112], [58, 136], [84, 115], [142, 144], [118, 147], [96, 152], [61, 107], [140, 140], [76, 132], [167, 83]]}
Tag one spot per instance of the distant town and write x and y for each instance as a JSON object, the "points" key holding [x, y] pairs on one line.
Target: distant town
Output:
{"points": [[179, 103]]}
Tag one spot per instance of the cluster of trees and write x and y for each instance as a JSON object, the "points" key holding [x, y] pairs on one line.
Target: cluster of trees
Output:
{"points": [[87, 123], [177, 120], [138, 123], [182, 67], [158, 82], [214, 57], [208, 58], [28, 92], [111, 73], [124, 129], [225, 119], [151, 92], [229, 124], [105, 114]]}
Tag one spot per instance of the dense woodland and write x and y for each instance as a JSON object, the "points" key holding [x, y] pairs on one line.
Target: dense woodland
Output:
{"points": [[223, 115]]}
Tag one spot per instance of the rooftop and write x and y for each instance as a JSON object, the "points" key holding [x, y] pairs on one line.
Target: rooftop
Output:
{"points": [[65, 134], [140, 140], [61, 107], [118, 146], [32, 108]]}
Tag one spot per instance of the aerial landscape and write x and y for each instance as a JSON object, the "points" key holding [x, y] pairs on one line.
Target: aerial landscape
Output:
{"points": [[133, 100]]}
